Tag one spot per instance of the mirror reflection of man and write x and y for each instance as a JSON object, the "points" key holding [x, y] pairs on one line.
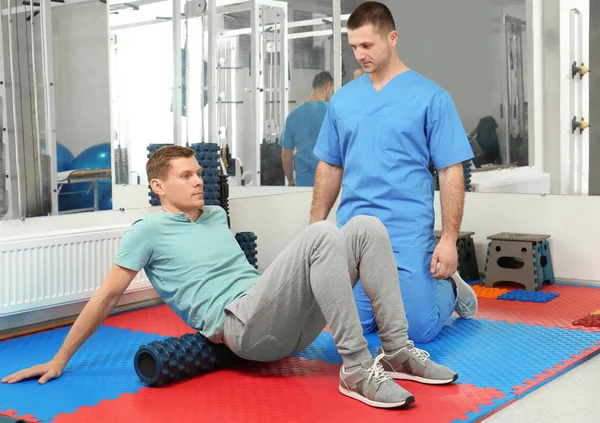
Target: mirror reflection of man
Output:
{"points": [[301, 131]]}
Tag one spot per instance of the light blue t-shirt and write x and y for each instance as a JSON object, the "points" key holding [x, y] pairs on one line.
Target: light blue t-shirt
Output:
{"points": [[197, 268], [385, 141], [301, 131]]}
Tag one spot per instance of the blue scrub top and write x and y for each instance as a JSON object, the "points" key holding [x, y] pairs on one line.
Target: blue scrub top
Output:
{"points": [[301, 131], [385, 141]]}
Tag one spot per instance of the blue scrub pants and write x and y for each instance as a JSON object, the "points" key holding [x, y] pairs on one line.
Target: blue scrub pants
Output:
{"points": [[428, 302]]}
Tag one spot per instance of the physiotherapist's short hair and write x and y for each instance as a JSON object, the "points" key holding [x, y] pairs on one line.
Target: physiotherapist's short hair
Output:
{"points": [[374, 13], [321, 79]]}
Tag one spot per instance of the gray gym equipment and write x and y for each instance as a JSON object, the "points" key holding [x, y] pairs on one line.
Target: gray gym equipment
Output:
{"points": [[517, 258], [467, 258]]}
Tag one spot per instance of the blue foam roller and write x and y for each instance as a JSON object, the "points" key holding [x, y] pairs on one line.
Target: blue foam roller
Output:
{"points": [[247, 242], [8, 419], [173, 359], [245, 236], [64, 158]]}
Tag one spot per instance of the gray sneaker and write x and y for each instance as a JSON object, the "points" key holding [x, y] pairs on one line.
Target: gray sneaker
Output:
{"points": [[466, 299], [371, 385], [410, 363]]}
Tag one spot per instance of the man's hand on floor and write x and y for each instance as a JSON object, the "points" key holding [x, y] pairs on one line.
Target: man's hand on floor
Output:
{"points": [[47, 371]]}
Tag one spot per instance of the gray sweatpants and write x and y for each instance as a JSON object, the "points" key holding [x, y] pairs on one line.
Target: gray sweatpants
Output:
{"points": [[310, 285]]}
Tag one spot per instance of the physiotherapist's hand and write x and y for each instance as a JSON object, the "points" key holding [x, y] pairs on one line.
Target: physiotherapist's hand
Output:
{"points": [[444, 261]]}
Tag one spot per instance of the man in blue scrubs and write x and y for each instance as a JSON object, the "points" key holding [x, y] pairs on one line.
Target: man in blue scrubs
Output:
{"points": [[301, 130], [381, 132]]}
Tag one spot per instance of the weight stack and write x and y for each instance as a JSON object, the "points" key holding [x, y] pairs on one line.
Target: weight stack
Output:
{"points": [[209, 157], [154, 201], [121, 166], [162, 362], [247, 241], [271, 165]]}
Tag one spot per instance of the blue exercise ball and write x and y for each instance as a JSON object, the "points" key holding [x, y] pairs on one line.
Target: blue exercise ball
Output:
{"points": [[64, 162], [64, 158], [106, 200], [95, 157]]}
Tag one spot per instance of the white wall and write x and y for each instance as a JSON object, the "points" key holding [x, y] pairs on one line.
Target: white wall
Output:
{"points": [[80, 36], [574, 237], [277, 219], [572, 222]]}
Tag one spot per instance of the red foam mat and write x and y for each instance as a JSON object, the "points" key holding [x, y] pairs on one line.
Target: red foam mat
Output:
{"points": [[572, 304], [291, 390], [159, 320]]}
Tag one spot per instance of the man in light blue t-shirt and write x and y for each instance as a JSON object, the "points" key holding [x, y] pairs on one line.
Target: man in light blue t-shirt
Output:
{"points": [[195, 264], [380, 134], [301, 131]]}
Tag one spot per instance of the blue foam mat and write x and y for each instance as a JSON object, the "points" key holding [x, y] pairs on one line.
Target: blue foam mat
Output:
{"points": [[485, 353], [101, 369], [485, 409]]}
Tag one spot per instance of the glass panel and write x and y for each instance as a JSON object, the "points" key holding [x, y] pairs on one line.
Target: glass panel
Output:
{"points": [[350, 67], [65, 129], [481, 53], [3, 165], [594, 97], [142, 86], [311, 67], [81, 107], [24, 154], [514, 141]]}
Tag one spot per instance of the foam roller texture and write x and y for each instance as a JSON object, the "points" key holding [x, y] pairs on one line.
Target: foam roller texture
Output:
{"points": [[173, 359]]}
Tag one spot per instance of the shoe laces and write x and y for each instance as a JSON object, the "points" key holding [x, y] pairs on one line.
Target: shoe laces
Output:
{"points": [[418, 353], [377, 372]]}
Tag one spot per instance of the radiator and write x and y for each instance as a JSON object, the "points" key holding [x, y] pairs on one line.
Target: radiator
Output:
{"points": [[57, 268]]}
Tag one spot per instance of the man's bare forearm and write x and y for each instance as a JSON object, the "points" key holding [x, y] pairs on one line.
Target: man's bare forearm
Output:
{"points": [[452, 198], [95, 311], [91, 317], [328, 182]]}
